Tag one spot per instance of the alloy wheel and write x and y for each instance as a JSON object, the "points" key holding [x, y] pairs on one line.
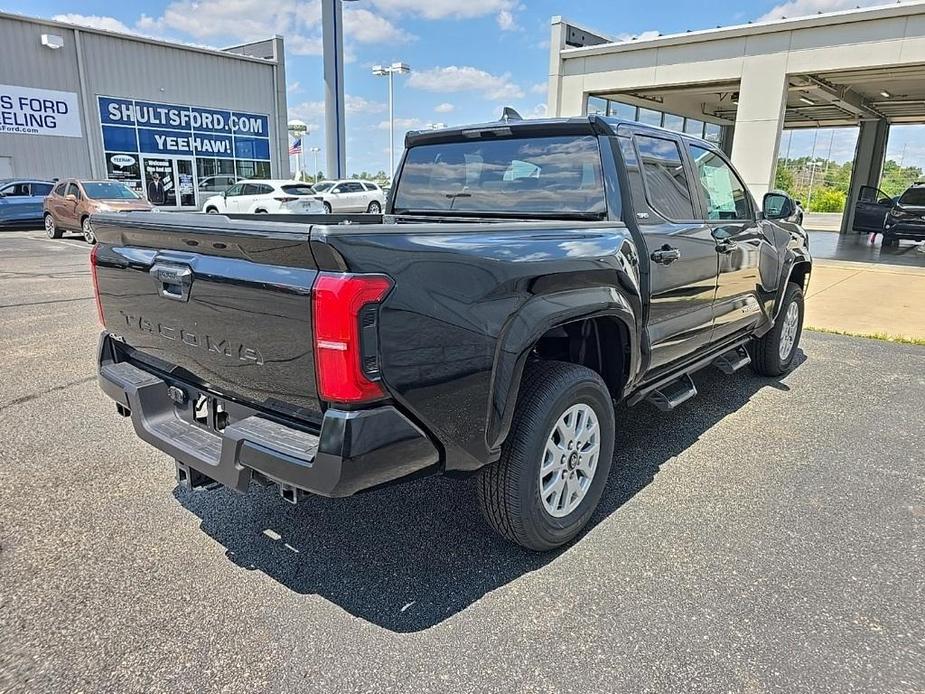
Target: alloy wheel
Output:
{"points": [[569, 460]]}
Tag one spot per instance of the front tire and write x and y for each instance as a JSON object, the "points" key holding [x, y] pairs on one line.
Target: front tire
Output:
{"points": [[87, 230], [211, 210], [327, 208], [555, 461], [51, 229], [773, 353], [888, 241]]}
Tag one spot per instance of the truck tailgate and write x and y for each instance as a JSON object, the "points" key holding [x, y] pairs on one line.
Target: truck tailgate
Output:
{"points": [[214, 302]]}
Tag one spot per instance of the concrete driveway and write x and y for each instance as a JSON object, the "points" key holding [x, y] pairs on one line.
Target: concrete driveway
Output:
{"points": [[768, 536]]}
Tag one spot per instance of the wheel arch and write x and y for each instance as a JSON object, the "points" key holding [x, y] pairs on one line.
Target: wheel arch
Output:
{"points": [[595, 316], [798, 269]]}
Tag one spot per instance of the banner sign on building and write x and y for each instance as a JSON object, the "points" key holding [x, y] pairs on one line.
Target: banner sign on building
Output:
{"points": [[28, 111], [175, 130]]}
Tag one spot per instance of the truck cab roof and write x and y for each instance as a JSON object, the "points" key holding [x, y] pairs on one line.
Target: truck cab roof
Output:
{"points": [[543, 127]]}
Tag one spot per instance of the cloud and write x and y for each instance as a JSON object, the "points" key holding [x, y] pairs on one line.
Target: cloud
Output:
{"points": [[539, 88], [803, 8], [294, 87], [466, 79], [95, 22], [444, 108], [359, 104], [354, 104], [506, 21], [444, 9], [403, 124], [367, 27], [298, 21]]}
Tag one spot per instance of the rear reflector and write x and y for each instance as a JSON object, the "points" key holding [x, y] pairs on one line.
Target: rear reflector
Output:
{"points": [[337, 303], [96, 284]]}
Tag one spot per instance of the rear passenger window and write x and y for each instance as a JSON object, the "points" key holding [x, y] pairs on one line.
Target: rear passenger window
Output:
{"points": [[723, 193], [667, 187], [59, 189]]}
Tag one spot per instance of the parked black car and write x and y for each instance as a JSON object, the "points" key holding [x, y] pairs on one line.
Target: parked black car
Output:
{"points": [[897, 218], [526, 275]]}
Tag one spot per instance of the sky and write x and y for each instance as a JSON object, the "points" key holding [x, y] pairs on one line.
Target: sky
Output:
{"points": [[469, 58]]}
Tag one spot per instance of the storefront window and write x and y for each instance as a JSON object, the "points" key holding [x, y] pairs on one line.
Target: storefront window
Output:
{"points": [[177, 155], [673, 122], [253, 169], [650, 117], [124, 168], [713, 133], [215, 175]]}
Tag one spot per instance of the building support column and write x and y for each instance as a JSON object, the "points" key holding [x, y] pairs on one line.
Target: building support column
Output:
{"points": [[759, 120], [868, 165], [558, 33]]}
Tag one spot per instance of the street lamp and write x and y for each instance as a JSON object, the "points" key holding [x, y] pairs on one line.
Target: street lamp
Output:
{"points": [[314, 151], [297, 129], [382, 71]]}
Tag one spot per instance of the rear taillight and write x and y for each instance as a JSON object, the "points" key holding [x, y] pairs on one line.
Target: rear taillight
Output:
{"points": [[345, 314], [96, 284]]}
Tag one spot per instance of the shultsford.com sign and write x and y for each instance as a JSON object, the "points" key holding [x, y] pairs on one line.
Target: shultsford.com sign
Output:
{"points": [[28, 111]]}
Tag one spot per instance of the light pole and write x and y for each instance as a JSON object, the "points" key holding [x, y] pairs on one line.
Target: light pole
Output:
{"points": [[314, 151], [297, 129], [382, 71]]}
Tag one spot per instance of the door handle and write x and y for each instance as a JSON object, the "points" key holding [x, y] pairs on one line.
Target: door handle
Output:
{"points": [[665, 255], [726, 246]]}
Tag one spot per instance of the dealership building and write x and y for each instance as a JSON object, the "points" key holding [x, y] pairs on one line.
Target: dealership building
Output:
{"points": [[85, 103], [741, 86]]}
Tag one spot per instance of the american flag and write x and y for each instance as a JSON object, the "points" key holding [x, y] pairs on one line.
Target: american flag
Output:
{"points": [[296, 147]]}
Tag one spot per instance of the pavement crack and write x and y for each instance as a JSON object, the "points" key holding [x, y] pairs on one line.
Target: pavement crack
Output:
{"points": [[35, 396]]}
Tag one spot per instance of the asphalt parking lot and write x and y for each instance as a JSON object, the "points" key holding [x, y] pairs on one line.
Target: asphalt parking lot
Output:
{"points": [[767, 536]]}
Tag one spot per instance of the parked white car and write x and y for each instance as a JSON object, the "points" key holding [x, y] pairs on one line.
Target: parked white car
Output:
{"points": [[350, 196], [265, 197]]}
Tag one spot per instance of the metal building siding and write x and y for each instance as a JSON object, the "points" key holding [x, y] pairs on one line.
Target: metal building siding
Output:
{"points": [[126, 68], [24, 62], [123, 67]]}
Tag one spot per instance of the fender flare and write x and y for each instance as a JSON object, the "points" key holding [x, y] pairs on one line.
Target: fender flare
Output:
{"points": [[522, 331], [794, 260]]}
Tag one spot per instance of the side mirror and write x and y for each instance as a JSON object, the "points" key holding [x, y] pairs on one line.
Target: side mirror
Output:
{"points": [[777, 206], [799, 203]]}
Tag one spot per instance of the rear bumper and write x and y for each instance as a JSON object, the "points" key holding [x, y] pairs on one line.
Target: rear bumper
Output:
{"points": [[354, 450]]}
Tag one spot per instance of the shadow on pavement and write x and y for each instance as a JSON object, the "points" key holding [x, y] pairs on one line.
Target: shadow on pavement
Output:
{"points": [[409, 556]]}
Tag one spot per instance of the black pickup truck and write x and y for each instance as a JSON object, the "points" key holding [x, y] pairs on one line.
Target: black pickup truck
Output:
{"points": [[526, 275]]}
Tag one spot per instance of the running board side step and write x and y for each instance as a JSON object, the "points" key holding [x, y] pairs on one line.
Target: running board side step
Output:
{"points": [[670, 395], [733, 360]]}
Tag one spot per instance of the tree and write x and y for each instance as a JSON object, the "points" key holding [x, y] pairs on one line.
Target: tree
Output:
{"points": [[783, 179], [827, 200]]}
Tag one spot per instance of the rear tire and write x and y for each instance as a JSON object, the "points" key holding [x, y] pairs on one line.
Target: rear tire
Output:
{"points": [[51, 229], [773, 353], [374, 208], [537, 456], [889, 241]]}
